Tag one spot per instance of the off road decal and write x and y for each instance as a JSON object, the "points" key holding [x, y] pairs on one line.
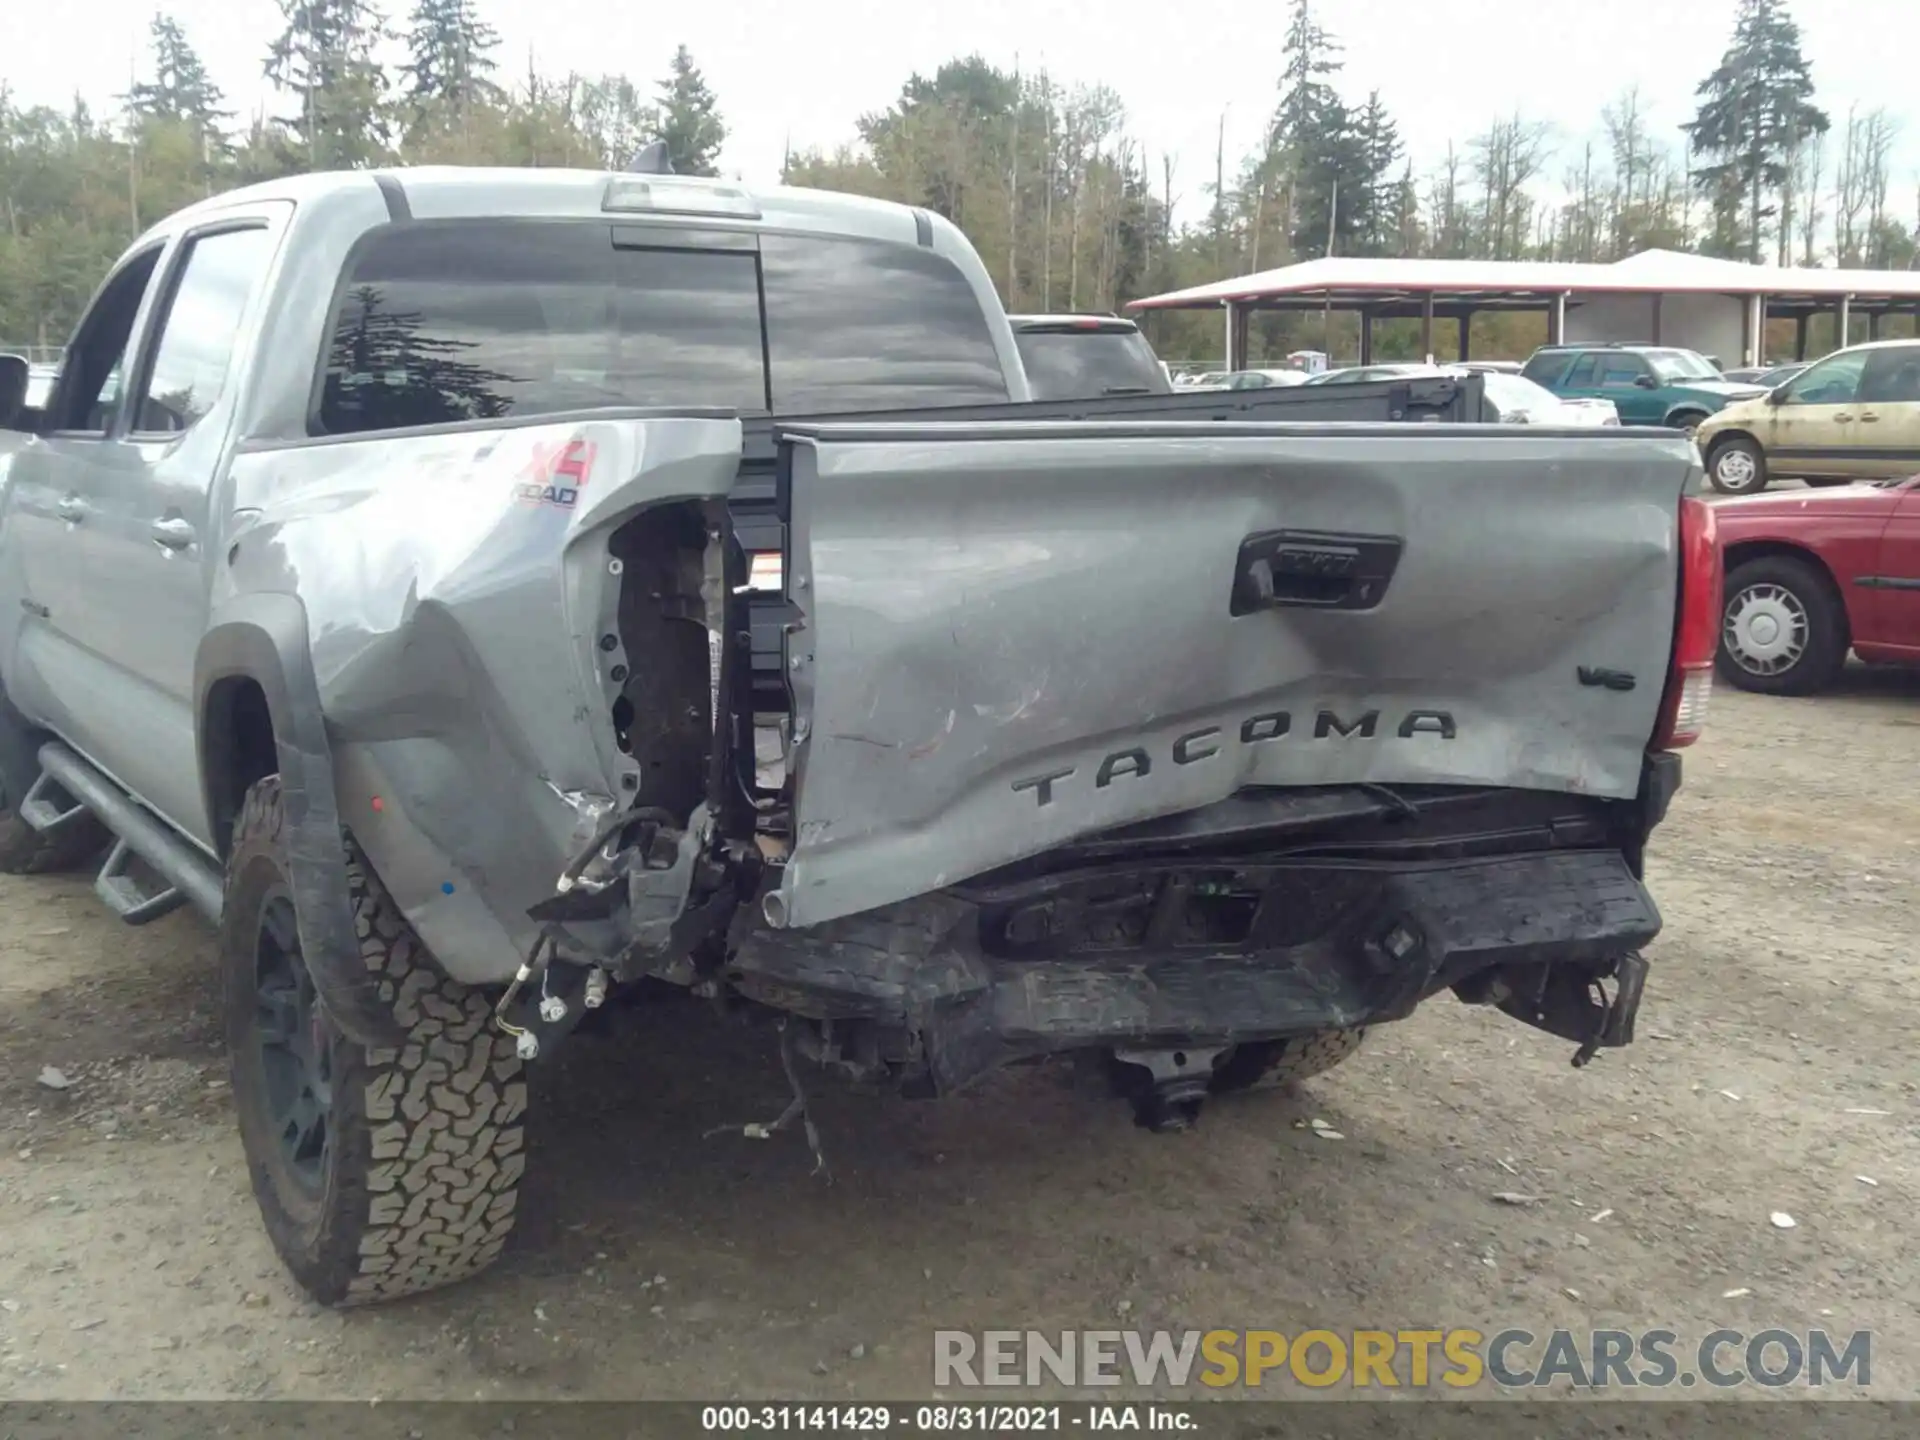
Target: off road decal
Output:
{"points": [[556, 474]]}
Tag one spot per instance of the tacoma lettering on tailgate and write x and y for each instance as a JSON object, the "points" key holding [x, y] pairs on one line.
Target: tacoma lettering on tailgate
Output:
{"points": [[1206, 742]]}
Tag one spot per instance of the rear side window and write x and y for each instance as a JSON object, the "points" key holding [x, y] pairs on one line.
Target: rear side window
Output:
{"points": [[1074, 363], [1584, 373], [202, 324], [1547, 368], [475, 320], [868, 325], [1891, 377]]}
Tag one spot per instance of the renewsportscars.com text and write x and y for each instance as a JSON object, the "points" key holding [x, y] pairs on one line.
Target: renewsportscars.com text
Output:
{"points": [[1459, 1358]]}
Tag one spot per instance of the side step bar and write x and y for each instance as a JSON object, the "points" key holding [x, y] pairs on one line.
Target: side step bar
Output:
{"points": [[47, 810], [188, 876]]}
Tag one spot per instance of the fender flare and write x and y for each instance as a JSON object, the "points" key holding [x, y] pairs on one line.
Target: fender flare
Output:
{"points": [[262, 637]]}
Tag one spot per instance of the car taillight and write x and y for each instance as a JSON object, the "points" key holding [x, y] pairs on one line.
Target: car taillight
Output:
{"points": [[1696, 631]]}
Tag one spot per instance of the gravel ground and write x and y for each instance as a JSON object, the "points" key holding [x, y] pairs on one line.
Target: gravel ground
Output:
{"points": [[1775, 1069]]}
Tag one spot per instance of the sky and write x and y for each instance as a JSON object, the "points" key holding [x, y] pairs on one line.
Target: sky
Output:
{"points": [[801, 72]]}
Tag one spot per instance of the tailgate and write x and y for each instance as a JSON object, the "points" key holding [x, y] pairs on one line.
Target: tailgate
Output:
{"points": [[1010, 636]]}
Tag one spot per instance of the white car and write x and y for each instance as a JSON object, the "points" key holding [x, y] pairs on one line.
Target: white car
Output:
{"points": [[1521, 402], [1258, 379]]}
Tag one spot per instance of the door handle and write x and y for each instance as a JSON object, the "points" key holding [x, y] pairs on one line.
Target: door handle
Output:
{"points": [[1866, 415], [1312, 570], [172, 532], [71, 508], [1844, 415]]}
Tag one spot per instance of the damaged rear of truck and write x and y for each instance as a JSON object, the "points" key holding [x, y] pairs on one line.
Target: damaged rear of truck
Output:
{"points": [[554, 639]]}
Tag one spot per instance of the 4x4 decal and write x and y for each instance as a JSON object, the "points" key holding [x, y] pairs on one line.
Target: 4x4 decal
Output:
{"points": [[556, 474]]}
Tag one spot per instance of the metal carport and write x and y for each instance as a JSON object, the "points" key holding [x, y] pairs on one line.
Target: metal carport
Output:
{"points": [[1430, 290]]}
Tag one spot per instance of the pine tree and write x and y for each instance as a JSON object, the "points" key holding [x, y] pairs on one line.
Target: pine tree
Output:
{"points": [[326, 56], [690, 122], [1377, 222], [1317, 151], [1306, 95], [450, 54], [1755, 109], [180, 90]]}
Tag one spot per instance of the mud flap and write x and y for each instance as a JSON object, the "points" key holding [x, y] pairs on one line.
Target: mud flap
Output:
{"points": [[1571, 1002]]}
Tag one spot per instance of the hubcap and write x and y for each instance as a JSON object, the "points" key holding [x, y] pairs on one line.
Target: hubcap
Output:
{"points": [[1734, 468], [296, 1044], [1766, 630]]}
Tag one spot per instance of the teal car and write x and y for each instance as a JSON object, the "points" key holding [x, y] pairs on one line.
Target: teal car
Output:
{"points": [[1648, 384]]}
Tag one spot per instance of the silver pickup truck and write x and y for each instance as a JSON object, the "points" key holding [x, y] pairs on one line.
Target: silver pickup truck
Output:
{"points": [[378, 584]]}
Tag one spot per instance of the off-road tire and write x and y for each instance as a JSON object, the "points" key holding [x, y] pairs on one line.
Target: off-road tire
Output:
{"points": [[24, 850], [421, 1173], [1825, 655], [1752, 450], [1276, 1064]]}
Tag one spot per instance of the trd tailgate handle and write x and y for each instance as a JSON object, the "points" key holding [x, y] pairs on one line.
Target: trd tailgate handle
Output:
{"points": [[71, 508], [1313, 570]]}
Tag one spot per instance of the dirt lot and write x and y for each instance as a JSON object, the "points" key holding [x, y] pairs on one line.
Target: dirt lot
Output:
{"points": [[1775, 1068]]}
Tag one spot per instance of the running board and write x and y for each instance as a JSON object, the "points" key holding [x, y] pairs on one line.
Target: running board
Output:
{"points": [[185, 875], [131, 896], [48, 810]]}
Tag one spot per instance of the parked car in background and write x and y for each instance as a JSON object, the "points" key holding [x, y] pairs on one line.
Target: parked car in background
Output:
{"points": [[1258, 379], [1359, 374], [1521, 402], [1491, 367], [1767, 375], [1518, 400], [1811, 577], [1854, 415], [1082, 357], [1648, 384]]}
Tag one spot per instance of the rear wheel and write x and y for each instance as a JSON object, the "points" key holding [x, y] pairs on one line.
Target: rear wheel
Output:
{"points": [[379, 1173], [1275, 1064], [1783, 630], [1736, 466]]}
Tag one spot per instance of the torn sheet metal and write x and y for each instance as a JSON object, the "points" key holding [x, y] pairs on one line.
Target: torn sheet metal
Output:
{"points": [[461, 608]]}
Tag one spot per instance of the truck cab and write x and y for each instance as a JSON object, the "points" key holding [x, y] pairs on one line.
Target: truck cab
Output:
{"points": [[1084, 357]]}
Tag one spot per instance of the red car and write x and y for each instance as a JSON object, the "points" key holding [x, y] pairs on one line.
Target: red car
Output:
{"points": [[1812, 574]]}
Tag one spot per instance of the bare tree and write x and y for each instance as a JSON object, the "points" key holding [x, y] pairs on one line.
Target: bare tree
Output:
{"points": [[1808, 158], [1626, 126], [1860, 187], [1505, 158], [1448, 236]]}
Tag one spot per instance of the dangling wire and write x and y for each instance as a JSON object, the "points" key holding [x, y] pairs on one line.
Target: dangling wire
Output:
{"points": [[544, 941]]}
